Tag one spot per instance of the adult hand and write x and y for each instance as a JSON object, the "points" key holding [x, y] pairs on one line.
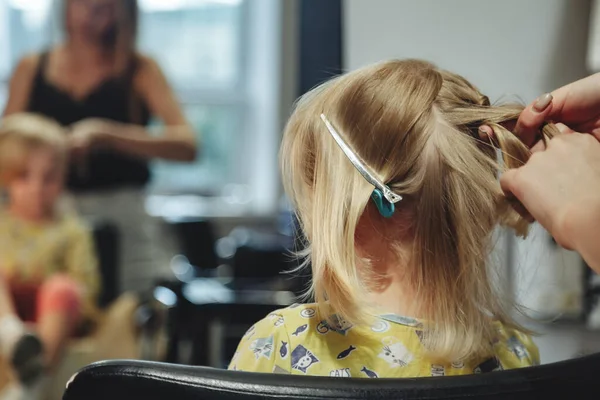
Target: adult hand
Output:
{"points": [[560, 187], [88, 134], [576, 105]]}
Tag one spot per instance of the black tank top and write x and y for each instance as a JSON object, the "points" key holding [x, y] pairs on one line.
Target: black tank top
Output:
{"points": [[105, 169]]}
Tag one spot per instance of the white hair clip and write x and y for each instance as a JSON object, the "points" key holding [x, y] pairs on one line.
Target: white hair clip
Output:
{"points": [[383, 196]]}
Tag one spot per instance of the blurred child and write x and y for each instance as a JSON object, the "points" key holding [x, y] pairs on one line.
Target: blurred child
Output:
{"points": [[397, 196], [48, 274]]}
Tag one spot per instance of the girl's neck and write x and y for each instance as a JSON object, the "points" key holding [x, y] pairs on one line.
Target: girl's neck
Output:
{"points": [[24, 215], [391, 291], [388, 268]]}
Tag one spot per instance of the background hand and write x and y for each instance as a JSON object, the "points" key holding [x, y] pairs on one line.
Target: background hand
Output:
{"points": [[86, 135]]}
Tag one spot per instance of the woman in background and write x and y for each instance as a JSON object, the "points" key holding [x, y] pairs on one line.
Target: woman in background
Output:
{"points": [[105, 92]]}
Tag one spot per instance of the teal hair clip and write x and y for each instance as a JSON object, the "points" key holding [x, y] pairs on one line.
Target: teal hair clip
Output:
{"points": [[382, 196]]}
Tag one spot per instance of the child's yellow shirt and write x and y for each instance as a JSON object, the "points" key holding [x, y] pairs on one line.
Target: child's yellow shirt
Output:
{"points": [[295, 341], [31, 253]]}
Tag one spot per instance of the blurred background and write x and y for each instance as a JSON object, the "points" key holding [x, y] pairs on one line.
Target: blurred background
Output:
{"points": [[223, 59], [236, 67]]}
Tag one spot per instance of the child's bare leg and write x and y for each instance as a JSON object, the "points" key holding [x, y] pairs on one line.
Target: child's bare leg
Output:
{"points": [[11, 327], [6, 304], [20, 347], [59, 305]]}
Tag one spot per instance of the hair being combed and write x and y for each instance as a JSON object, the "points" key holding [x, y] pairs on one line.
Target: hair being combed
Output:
{"points": [[417, 127], [22, 133]]}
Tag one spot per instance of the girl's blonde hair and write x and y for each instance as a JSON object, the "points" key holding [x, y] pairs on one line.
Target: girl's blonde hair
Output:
{"points": [[22, 133], [417, 127]]}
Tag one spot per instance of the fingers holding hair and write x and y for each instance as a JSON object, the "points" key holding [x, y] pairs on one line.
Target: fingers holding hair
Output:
{"points": [[533, 118], [509, 182]]}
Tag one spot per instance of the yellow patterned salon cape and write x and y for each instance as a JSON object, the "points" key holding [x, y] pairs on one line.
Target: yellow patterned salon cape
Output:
{"points": [[295, 341]]}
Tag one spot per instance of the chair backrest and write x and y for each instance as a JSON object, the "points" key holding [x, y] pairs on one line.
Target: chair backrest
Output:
{"points": [[262, 254], [268, 263], [106, 240], [124, 380], [196, 238], [261, 262]]}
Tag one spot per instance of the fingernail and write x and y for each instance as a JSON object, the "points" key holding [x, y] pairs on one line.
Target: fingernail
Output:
{"points": [[542, 102]]}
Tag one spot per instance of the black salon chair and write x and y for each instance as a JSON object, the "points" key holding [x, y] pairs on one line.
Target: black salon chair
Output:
{"points": [[196, 238], [591, 291], [125, 380], [106, 242]]}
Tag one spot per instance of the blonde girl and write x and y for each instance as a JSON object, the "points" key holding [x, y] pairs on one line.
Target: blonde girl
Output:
{"points": [[397, 196]]}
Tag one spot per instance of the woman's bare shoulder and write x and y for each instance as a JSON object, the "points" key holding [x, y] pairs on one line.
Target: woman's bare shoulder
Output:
{"points": [[27, 65], [148, 73], [146, 63]]}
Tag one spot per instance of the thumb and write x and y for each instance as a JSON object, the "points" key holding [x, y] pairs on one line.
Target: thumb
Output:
{"points": [[509, 187], [532, 118], [508, 184]]}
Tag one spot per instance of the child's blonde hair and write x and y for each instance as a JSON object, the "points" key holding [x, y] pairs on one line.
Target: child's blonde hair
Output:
{"points": [[22, 133], [417, 127]]}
